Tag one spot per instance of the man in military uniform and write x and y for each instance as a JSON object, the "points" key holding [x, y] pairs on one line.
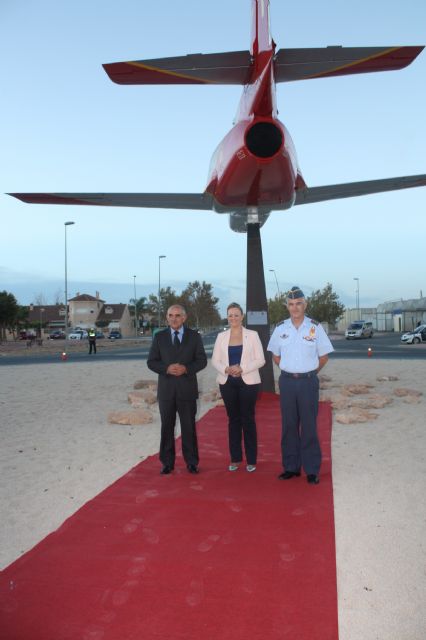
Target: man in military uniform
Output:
{"points": [[300, 347]]}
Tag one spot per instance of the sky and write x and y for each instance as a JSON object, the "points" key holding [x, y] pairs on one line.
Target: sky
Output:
{"points": [[64, 126]]}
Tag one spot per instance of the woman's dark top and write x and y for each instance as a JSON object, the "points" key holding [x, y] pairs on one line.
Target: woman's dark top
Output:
{"points": [[234, 354]]}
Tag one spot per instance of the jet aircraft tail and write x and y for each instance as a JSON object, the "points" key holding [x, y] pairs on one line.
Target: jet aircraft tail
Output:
{"points": [[235, 67]]}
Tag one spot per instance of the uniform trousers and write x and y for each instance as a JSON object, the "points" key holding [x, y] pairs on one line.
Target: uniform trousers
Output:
{"points": [[186, 409], [240, 402], [299, 409]]}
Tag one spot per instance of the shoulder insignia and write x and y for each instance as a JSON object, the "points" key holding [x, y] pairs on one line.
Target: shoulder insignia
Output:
{"points": [[315, 322], [280, 323]]}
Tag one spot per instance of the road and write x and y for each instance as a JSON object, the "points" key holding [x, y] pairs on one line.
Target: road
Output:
{"points": [[383, 346]]}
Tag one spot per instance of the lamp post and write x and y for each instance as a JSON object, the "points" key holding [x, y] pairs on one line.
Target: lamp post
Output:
{"points": [[276, 280], [136, 314], [159, 288], [41, 321], [66, 224], [357, 297]]}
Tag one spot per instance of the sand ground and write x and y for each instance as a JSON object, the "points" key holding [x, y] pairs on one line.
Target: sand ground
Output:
{"points": [[58, 451]]}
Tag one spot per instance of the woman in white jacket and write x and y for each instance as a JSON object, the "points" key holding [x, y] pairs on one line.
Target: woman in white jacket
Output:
{"points": [[238, 356]]}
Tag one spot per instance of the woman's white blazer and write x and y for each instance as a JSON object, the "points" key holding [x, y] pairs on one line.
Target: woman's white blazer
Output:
{"points": [[252, 357]]}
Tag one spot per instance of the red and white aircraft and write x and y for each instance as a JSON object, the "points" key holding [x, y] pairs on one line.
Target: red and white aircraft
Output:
{"points": [[254, 170]]}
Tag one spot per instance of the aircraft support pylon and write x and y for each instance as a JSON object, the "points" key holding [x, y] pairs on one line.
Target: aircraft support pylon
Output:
{"points": [[257, 317]]}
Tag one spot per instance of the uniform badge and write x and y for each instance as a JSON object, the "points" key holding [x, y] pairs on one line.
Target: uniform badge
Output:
{"points": [[311, 336], [284, 336]]}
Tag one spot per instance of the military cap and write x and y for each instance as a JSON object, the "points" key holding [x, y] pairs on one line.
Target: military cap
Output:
{"points": [[295, 293]]}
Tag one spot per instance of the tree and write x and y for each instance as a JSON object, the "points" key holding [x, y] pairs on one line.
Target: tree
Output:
{"points": [[168, 297], [324, 305], [21, 319], [39, 300], [141, 307], [8, 312], [201, 304], [58, 298], [277, 309]]}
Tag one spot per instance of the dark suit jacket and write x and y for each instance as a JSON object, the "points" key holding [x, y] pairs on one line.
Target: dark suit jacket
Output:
{"points": [[190, 353]]}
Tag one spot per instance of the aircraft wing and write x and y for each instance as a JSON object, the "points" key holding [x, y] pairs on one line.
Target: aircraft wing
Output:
{"points": [[146, 200], [204, 201], [232, 67], [305, 64], [352, 189]]}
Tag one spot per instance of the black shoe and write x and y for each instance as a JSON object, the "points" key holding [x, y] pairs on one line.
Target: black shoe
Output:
{"points": [[286, 475], [192, 468], [166, 470], [312, 478]]}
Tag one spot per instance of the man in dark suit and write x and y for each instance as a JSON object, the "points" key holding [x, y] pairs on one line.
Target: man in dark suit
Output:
{"points": [[177, 354]]}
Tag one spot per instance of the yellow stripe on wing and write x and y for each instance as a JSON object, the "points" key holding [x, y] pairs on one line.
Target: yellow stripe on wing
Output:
{"points": [[167, 72], [355, 63]]}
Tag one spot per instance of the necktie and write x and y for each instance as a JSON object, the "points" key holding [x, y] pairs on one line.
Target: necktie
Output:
{"points": [[176, 340]]}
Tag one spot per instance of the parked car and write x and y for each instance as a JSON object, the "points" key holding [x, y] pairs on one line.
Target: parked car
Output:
{"points": [[58, 334], [359, 329], [416, 336], [78, 334], [114, 335], [27, 334]]}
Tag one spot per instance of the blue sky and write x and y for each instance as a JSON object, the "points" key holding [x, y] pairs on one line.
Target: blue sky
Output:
{"points": [[64, 126]]}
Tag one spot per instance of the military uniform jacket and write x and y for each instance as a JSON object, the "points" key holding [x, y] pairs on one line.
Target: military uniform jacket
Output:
{"points": [[189, 353], [301, 348]]}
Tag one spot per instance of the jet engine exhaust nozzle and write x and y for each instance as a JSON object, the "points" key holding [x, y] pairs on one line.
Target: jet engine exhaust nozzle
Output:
{"points": [[264, 139]]}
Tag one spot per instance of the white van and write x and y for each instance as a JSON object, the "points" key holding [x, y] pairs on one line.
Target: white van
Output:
{"points": [[359, 329]]}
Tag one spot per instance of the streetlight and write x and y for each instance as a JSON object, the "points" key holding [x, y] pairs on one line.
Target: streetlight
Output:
{"points": [[357, 296], [66, 224], [159, 288], [276, 280], [41, 321], [136, 325]]}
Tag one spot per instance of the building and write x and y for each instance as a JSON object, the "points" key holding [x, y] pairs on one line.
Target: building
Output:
{"points": [[406, 314], [84, 311], [396, 315]]}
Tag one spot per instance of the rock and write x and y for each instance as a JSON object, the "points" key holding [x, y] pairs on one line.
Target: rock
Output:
{"points": [[211, 396], [139, 398], [357, 389], [141, 416], [406, 392], [323, 378], [387, 378], [337, 400], [375, 401], [135, 398], [341, 403], [323, 385], [146, 384], [354, 415], [412, 399]]}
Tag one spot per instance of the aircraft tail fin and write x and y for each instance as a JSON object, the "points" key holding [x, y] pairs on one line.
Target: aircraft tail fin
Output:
{"points": [[232, 67], [326, 62]]}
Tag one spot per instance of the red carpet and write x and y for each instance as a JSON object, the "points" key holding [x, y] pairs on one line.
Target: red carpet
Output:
{"points": [[218, 556]]}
